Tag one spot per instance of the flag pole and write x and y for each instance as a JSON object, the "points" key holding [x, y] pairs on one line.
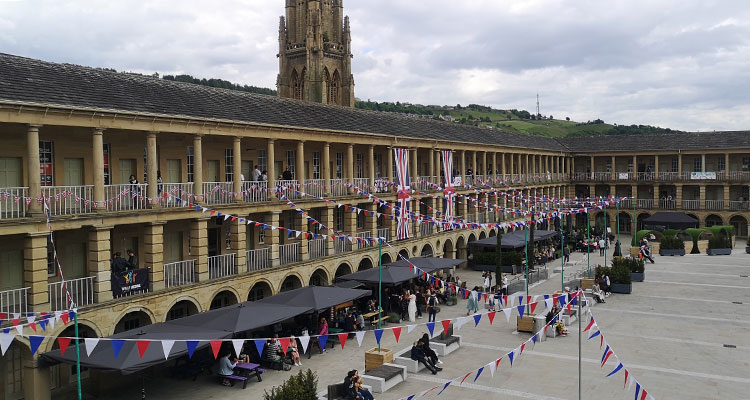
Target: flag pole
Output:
{"points": [[588, 242], [562, 253], [580, 318], [78, 354], [380, 282]]}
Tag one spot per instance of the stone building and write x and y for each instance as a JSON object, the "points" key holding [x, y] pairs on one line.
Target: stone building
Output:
{"points": [[315, 57]]}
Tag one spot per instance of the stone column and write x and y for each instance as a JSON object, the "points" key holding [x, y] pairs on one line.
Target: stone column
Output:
{"points": [[151, 168], [703, 162], [678, 194], [326, 217], [725, 193], [199, 247], [388, 160], [414, 165], [300, 168], [371, 166], [272, 237], [350, 164], [726, 164], [271, 160], [474, 166], [438, 165], [703, 196], [153, 242], [238, 244], [33, 169], [462, 164], [527, 164], [302, 227], [326, 167], [97, 153], [431, 168], [656, 167], [198, 165], [35, 269], [592, 166], [679, 165], [237, 168], [371, 221], [36, 384], [99, 261], [511, 157], [634, 192]]}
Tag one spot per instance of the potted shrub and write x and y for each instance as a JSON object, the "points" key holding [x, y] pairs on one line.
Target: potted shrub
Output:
{"points": [[303, 386], [636, 266], [695, 234], [720, 244], [672, 245], [620, 279]]}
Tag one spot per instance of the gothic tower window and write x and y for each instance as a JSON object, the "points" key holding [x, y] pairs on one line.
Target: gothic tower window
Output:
{"points": [[333, 89], [298, 85]]}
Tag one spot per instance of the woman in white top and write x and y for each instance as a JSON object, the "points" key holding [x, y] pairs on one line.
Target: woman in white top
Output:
{"points": [[412, 307]]}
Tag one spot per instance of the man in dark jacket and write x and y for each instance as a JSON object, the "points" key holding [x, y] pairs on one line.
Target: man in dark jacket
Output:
{"points": [[287, 174], [417, 354], [119, 265]]}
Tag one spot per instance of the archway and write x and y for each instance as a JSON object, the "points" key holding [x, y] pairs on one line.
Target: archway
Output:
{"points": [[11, 366], [580, 221], [626, 223], [319, 278], [740, 225], [640, 219], [472, 238], [61, 374], [482, 235], [132, 320], [260, 290], [181, 309], [366, 263], [712, 220], [223, 299], [427, 251], [461, 248], [404, 253], [343, 269], [493, 232], [385, 258], [290, 283], [448, 249]]}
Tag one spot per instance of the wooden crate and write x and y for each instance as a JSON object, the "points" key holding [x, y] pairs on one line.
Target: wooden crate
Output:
{"points": [[374, 359], [525, 324], [587, 283]]}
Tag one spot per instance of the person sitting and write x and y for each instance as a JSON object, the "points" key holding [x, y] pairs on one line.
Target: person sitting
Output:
{"points": [[596, 291], [359, 389], [417, 354], [428, 352], [244, 357], [293, 352], [226, 367]]}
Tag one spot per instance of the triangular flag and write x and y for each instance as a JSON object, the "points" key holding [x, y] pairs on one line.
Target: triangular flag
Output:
{"points": [[523, 346], [548, 303], [507, 312], [608, 354], [284, 344], [614, 371], [492, 368], [465, 376], [360, 335], [259, 345], [117, 347], [521, 309], [446, 325], [322, 341], [237, 344], [637, 389], [90, 344], [215, 347], [410, 328], [477, 318], [431, 328], [142, 346], [166, 347], [445, 387], [304, 341], [378, 334], [626, 378], [591, 323], [343, 337], [510, 356], [35, 342], [5, 341], [491, 316], [459, 322], [191, 346], [63, 343], [533, 307], [520, 300], [605, 354], [397, 332], [595, 334]]}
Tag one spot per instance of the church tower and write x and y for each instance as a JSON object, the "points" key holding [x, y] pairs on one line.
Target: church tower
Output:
{"points": [[315, 57]]}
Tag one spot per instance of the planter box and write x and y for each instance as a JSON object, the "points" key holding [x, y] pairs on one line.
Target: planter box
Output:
{"points": [[637, 276], [672, 252], [525, 324], [655, 247], [624, 288], [586, 283], [374, 359], [634, 252], [719, 252], [747, 249], [702, 246]]}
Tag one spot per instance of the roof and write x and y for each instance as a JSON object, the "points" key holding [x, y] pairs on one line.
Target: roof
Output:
{"points": [[669, 141], [515, 239], [45, 83]]}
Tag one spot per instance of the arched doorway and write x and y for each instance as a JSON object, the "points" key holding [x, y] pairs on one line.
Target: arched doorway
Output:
{"points": [[626, 223], [61, 374], [493, 232], [290, 283], [740, 225], [580, 221], [260, 290], [385, 258], [404, 253], [343, 269], [461, 248], [319, 278], [132, 320], [364, 264], [640, 219], [472, 238], [427, 251], [448, 249], [181, 309], [482, 235], [712, 220], [11, 366], [223, 299]]}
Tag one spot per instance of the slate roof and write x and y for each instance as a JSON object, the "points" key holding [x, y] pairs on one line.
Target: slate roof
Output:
{"points": [[670, 142], [46, 83]]}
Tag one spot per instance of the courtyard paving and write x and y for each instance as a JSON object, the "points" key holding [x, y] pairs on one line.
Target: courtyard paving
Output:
{"points": [[684, 333]]}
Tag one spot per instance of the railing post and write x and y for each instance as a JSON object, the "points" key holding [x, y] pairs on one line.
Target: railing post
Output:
{"points": [[35, 271], [199, 247], [153, 241], [99, 260]]}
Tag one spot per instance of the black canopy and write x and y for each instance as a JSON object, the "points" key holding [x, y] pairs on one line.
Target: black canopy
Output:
{"points": [[243, 317], [316, 297], [391, 275], [515, 239], [428, 264], [670, 220]]}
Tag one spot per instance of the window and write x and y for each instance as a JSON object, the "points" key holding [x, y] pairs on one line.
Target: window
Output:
{"points": [[262, 160], [261, 232], [190, 164], [316, 165], [229, 165], [46, 162], [675, 164], [106, 164], [51, 264], [360, 165], [378, 165], [291, 220], [338, 218], [291, 157], [228, 235], [360, 220], [722, 165], [131, 323], [697, 165], [339, 165], [746, 163]]}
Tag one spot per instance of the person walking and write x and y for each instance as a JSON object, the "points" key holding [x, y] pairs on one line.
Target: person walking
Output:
{"points": [[504, 290], [472, 306], [602, 245], [432, 303], [412, 307]]}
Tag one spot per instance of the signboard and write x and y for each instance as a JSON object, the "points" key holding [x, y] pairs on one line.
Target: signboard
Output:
{"points": [[130, 282], [623, 175], [702, 176]]}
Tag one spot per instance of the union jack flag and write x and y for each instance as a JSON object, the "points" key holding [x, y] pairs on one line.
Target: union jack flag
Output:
{"points": [[404, 193], [449, 190]]}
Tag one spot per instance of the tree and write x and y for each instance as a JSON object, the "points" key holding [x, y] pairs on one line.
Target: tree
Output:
{"points": [[551, 117], [499, 258], [303, 386], [567, 118]]}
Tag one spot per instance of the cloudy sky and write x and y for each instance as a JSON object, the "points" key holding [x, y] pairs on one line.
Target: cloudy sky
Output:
{"points": [[679, 64]]}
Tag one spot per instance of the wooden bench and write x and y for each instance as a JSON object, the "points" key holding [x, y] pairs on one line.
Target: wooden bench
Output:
{"points": [[382, 319], [238, 378]]}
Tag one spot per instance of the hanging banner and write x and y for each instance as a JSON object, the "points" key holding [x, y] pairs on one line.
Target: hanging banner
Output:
{"points": [[129, 282], [702, 176], [404, 192], [450, 190]]}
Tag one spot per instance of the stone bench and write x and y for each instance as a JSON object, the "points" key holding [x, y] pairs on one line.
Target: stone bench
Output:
{"points": [[385, 377], [445, 346], [403, 357], [337, 391]]}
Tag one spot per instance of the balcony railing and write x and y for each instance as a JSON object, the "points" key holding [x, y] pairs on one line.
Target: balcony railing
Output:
{"points": [[255, 191], [338, 187], [290, 253], [222, 265], [179, 273], [69, 200], [126, 197], [665, 204], [739, 205], [422, 184], [14, 301], [384, 233], [362, 184], [669, 176], [714, 204], [218, 192], [363, 235], [81, 293], [739, 176], [341, 246], [691, 204], [13, 202], [316, 248], [425, 229], [315, 187], [258, 259], [288, 188], [176, 191], [645, 203]]}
